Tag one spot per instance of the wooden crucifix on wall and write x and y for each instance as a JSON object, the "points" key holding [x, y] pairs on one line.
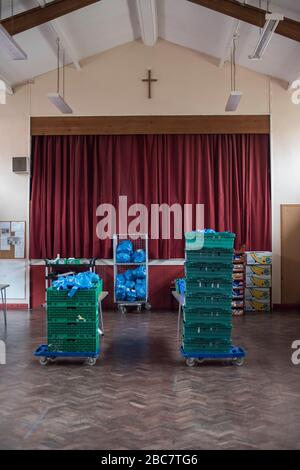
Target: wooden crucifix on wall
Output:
{"points": [[149, 80]]}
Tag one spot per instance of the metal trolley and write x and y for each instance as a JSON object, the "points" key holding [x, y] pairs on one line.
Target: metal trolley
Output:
{"points": [[139, 242]]}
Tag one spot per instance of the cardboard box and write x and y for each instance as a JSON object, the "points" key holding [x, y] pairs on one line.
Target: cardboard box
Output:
{"points": [[256, 281], [257, 306], [260, 294], [259, 257], [259, 270]]}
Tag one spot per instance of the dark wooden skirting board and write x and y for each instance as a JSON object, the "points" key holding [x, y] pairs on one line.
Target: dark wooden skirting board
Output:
{"points": [[124, 125], [280, 307]]}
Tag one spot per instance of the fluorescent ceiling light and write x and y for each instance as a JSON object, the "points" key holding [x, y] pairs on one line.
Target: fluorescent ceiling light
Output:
{"points": [[8, 43], [60, 103], [233, 101], [272, 20]]}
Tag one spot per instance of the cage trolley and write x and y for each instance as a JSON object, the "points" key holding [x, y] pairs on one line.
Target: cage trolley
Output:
{"points": [[139, 242], [235, 355], [45, 356]]}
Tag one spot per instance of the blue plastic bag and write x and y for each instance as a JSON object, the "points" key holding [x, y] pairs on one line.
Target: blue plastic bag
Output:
{"points": [[131, 295], [181, 285], [121, 292], [123, 257], [120, 279], [129, 275], [140, 272], [130, 284], [139, 256], [140, 290], [85, 280], [125, 246]]}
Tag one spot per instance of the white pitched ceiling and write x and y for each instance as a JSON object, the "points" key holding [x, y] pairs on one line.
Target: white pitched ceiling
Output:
{"points": [[110, 23]]}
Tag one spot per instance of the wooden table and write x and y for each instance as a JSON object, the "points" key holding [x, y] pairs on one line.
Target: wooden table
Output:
{"points": [[181, 300], [3, 288], [101, 297]]}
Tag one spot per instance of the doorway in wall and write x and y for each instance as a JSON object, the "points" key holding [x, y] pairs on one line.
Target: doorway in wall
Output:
{"points": [[290, 254]]}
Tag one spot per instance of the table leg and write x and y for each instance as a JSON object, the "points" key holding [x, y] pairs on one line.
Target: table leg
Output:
{"points": [[178, 320], [3, 298], [101, 319]]}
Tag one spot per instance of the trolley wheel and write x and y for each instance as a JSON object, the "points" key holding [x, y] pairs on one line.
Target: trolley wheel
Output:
{"points": [[52, 359], [91, 361], [123, 310], [44, 360], [238, 361], [199, 361], [190, 362], [139, 308], [148, 306]]}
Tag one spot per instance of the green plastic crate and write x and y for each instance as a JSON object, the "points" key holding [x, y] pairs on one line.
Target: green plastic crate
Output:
{"points": [[208, 331], [196, 346], [74, 344], [83, 297], [210, 256], [208, 271], [198, 240], [71, 314], [72, 330], [206, 301], [192, 319], [208, 310], [209, 287]]}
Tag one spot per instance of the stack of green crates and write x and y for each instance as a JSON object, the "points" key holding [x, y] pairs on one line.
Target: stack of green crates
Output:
{"points": [[207, 317], [73, 321]]}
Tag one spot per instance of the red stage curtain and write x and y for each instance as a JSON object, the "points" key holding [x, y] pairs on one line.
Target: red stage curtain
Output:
{"points": [[72, 175]]}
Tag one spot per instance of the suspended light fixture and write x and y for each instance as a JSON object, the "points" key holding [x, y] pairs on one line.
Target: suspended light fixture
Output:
{"points": [[235, 96], [7, 42], [272, 21], [56, 99]]}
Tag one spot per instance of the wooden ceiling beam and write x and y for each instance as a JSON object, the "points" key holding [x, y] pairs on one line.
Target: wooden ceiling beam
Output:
{"points": [[37, 16], [251, 15]]}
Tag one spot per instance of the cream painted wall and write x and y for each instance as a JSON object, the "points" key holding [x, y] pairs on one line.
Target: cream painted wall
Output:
{"points": [[189, 83], [285, 135], [14, 142]]}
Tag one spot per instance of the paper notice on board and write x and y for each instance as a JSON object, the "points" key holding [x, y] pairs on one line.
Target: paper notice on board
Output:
{"points": [[18, 227], [4, 229], [19, 245], [20, 250], [4, 246]]}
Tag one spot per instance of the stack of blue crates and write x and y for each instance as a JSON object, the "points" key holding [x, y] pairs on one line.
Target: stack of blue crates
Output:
{"points": [[207, 319]]}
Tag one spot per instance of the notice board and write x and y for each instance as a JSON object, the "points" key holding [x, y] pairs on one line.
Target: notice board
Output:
{"points": [[12, 240]]}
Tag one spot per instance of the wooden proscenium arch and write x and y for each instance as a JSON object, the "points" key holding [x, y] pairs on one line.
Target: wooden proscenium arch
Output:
{"points": [[126, 125]]}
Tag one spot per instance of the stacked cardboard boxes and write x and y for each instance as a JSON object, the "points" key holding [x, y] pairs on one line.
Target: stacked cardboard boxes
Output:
{"points": [[258, 281], [238, 283]]}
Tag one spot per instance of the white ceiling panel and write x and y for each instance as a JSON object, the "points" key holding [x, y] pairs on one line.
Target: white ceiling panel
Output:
{"points": [[192, 26], [99, 27], [110, 23]]}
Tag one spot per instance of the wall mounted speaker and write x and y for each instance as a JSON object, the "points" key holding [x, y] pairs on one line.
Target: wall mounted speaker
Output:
{"points": [[20, 165]]}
